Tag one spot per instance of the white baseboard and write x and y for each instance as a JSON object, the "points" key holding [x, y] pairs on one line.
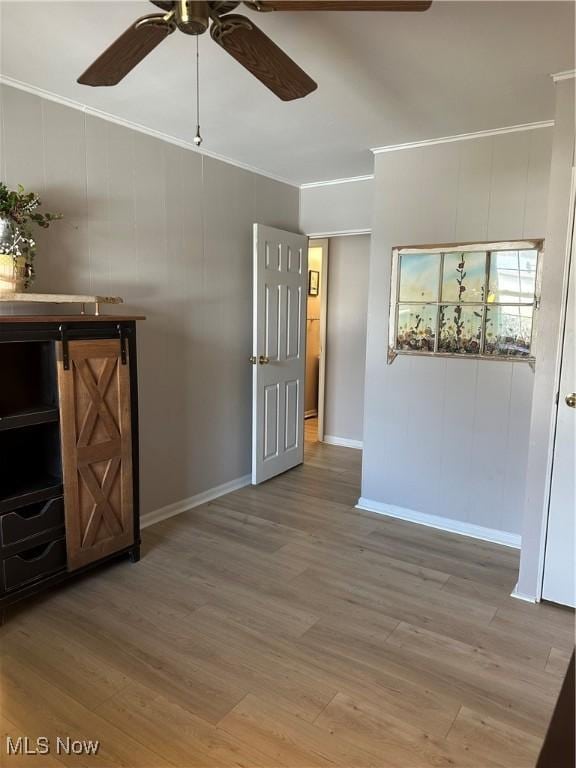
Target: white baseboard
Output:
{"points": [[442, 523], [343, 441], [521, 596], [311, 414], [193, 501]]}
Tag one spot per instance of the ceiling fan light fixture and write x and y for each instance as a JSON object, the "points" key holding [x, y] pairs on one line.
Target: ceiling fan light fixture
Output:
{"points": [[192, 18], [236, 34]]}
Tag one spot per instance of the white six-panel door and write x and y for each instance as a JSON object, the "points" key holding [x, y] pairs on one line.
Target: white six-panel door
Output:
{"points": [[279, 351]]}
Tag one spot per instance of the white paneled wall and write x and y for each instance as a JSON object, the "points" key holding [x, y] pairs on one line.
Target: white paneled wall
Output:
{"points": [[444, 437], [170, 231]]}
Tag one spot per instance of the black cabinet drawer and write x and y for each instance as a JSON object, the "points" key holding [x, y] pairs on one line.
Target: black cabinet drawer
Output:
{"points": [[34, 563], [23, 523]]}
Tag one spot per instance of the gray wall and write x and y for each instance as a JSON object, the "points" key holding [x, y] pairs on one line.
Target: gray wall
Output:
{"points": [[441, 436], [339, 207], [547, 347], [169, 230], [348, 264]]}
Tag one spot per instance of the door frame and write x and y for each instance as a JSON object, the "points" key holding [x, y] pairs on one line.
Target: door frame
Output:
{"points": [[570, 253], [324, 243]]}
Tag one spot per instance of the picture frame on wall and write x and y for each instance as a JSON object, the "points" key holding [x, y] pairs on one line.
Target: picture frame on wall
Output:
{"points": [[313, 282]]}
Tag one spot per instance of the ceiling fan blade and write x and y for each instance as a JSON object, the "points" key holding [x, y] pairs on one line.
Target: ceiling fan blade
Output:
{"points": [[127, 51], [262, 57], [166, 5], [340, 5]]}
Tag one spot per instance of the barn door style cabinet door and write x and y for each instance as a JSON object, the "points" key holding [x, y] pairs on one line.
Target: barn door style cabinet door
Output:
{"points": [[96, 440], [68, 449]]}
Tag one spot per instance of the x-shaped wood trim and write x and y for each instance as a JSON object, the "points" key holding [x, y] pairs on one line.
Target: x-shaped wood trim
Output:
{"points": [[97, 406], [102, 508]]}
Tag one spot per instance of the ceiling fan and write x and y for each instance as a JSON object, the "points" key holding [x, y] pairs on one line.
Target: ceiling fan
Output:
{"points": [[237, 34]]}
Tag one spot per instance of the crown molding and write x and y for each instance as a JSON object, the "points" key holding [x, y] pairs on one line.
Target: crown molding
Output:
{"points": [[330, 182], [92, 112], [569, 74], [338, 233], [464, 137]]}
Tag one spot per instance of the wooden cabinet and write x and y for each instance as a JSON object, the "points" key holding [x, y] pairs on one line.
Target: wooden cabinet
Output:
{"points": [[68, 449]]}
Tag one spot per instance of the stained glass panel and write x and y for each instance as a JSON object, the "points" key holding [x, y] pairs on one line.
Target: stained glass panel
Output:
{"points": [[419, 277], [512, 277], [416, 327], [464, 277], [460, 330], [508, 331]]}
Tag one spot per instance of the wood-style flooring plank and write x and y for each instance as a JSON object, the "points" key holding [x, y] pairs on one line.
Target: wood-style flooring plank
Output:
{"points": [[65, 663], [10, 731], [490, 741], [291, 742], [186, 739], [557, 662], [38, 708], [392, 741]]}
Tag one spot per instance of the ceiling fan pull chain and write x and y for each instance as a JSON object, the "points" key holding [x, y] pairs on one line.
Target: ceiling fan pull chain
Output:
{"points": [[198, 137]]}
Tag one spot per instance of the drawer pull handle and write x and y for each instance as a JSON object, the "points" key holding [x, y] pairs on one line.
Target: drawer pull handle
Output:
{"points": [[37, 553], [30, 514]]}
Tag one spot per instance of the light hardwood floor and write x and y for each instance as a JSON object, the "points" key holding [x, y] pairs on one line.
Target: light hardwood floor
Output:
{"points": [[279, 626]]}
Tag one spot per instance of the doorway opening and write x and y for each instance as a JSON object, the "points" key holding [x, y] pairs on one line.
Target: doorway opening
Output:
{"points": [[309, 345], [316, 311], [337, 311]]}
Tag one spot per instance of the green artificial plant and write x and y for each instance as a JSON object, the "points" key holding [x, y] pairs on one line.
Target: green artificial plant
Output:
{"points": [[20, 209]]}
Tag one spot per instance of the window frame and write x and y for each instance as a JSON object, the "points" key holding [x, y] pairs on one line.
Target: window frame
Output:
{"points": [[487, 247]]}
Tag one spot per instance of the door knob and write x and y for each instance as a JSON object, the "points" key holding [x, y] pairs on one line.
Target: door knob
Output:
{"points": [[571, 400], [263, 360], [253, 359]]}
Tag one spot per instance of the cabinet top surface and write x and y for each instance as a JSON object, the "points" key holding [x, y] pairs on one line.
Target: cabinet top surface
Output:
{"points": [[69, 318]]}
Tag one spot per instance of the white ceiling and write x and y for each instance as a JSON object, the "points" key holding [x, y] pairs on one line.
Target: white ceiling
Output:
{"points": [[384, 78]]}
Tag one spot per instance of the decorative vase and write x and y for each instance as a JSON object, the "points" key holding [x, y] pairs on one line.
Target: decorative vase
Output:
{"points": [[14, 264], [14, 273]]}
